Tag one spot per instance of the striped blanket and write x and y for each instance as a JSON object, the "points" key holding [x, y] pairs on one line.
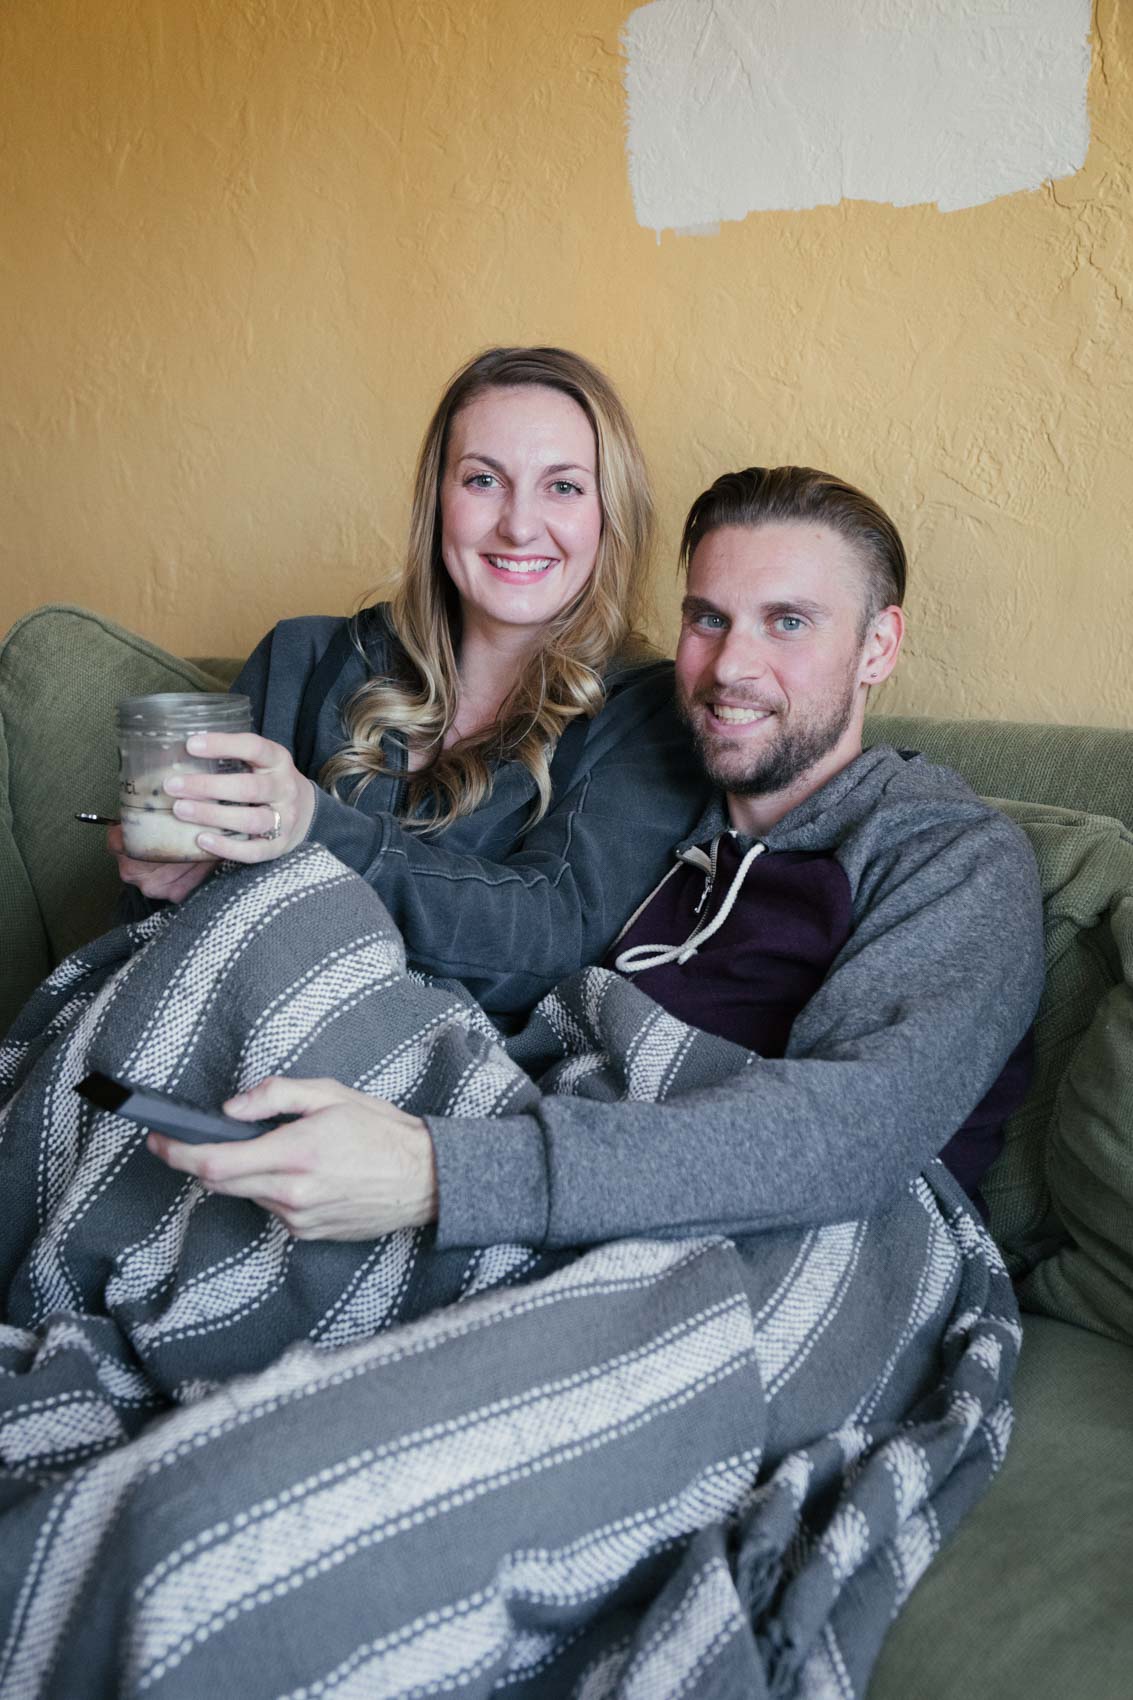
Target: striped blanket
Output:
{"points": [[236, 1463]]}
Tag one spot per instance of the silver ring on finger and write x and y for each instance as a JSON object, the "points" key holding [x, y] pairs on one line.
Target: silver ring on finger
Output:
{"points": [[276, 826]]}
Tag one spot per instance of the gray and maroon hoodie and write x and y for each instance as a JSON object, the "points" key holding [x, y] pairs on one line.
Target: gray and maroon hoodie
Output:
{"points": [[880, 948]]}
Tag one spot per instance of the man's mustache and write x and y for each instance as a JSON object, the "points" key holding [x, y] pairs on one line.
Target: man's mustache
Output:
{"points": [[733, 699]]}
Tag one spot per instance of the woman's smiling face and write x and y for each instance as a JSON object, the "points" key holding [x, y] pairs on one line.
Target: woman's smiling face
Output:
{"points": [[521, 518]]}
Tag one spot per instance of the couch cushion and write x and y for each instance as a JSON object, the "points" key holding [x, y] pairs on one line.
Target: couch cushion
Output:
{"points": [[1032, 1599], [26, 954], [62, 671], [1089, 1164], [1061, 1196]]}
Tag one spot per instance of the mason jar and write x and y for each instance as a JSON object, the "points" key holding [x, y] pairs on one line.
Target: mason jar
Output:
{"points": [[151, 748]]}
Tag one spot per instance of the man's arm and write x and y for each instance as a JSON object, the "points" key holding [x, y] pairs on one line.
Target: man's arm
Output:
{"points": [[936, 986]]}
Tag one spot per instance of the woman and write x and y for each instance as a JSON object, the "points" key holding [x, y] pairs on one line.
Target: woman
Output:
{"points": [[503, 744], [495, 766]]}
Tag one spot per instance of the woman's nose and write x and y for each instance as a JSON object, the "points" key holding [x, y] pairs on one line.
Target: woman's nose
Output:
{"points": [[519, 519]]}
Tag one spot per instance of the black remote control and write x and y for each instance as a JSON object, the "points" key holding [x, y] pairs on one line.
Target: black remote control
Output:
{"points": [[152, 1108]]}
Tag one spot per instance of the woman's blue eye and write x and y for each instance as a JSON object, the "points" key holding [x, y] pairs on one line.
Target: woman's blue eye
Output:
{"points": [[480, 480], [564, 487]]}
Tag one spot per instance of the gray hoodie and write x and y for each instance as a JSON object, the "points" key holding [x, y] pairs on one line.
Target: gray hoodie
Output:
{"points": [[935, 986]]}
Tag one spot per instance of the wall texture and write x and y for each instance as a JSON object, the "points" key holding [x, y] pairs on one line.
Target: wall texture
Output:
{"points": [[244, 242]]}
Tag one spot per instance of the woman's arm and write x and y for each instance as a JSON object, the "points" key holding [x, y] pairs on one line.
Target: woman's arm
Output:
{"points": [[510, 911], [507, 910]]}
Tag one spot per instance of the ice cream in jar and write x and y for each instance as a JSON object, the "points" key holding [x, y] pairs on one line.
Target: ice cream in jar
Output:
{"points": [[151, 748]]}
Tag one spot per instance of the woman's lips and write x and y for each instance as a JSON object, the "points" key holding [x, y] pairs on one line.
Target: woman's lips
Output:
{"points": [[520, 569]]}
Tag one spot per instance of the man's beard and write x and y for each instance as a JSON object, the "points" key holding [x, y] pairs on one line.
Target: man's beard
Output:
{"points": [[778, 763]]}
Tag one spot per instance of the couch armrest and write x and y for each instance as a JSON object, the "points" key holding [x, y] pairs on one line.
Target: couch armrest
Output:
{"points": [[63, 669]]}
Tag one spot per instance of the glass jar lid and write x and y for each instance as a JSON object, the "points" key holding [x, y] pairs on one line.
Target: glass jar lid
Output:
{"points": [[185, 712]]}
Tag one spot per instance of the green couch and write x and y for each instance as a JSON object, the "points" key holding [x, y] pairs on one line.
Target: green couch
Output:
{"points": [[1034, 1596]]}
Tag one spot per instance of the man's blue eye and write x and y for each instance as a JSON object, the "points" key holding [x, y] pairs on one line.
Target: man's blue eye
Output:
{"points": [[790, 622]]}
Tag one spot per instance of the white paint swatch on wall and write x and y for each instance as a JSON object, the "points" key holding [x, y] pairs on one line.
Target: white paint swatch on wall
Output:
{"points": [[739, 106]]}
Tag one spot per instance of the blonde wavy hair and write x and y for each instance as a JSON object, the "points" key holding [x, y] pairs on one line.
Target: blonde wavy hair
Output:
{"points": [[564, 679]]}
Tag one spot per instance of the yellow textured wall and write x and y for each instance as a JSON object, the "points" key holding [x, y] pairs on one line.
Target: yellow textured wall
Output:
{"points": [[245, 241]]}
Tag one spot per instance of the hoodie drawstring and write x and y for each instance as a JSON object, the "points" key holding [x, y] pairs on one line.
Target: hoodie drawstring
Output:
{"points": [[642, 956]]}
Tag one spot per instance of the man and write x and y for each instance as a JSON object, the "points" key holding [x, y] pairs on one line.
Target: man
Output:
{"points": [[860, 920]]}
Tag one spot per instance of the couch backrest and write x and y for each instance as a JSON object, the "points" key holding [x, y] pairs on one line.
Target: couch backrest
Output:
{"points": [[63, 669], [1072, 767]]}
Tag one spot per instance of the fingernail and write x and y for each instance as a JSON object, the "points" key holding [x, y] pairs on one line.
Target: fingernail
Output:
{"points": [[196, 744], [174, 786], [185, 811], [207, 841]]}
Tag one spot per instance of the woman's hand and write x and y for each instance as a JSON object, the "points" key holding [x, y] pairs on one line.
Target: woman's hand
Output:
{"points": [[350, 1168], [169, 882], [273, 802]]}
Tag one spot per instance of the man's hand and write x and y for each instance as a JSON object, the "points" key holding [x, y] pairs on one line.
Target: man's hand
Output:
{"points": [[350, 1167]]}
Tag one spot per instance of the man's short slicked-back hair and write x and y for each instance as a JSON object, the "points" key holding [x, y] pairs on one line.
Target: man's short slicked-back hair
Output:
{"points": [[774, 495]]}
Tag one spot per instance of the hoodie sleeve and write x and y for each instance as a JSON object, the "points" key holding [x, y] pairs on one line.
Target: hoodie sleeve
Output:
{"points": [[506, 910], [535, 905], [917, 1016]]}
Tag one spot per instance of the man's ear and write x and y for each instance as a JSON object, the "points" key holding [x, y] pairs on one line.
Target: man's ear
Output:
{"points": [[882, 646]]}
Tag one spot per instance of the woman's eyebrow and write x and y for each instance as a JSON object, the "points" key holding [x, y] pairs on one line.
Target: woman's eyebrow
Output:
{"points": [[552, 471], [496, 466]]}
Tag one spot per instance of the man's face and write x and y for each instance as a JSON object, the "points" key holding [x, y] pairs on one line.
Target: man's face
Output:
{"points": [[772, 665]]}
